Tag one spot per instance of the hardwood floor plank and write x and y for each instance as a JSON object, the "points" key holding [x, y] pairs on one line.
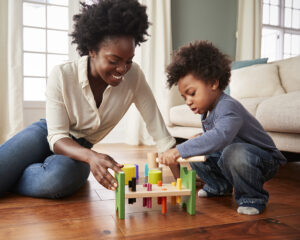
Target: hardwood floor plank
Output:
{"points": [[209, 214], [18, 201], [103, 227], [50, 213], [291, 220], [290, 171], [267, 229], [90, 213]]}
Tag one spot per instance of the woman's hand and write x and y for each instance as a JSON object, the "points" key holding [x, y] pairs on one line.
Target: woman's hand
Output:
{"points": [[169, 157], [99, 164]]}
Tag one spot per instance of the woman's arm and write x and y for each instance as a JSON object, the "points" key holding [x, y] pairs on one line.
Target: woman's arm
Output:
{"points": [[60, 142], [146, 104], [99, 163]]}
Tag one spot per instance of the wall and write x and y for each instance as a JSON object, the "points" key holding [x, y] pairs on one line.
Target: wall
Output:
{"points": [[212, 20]]}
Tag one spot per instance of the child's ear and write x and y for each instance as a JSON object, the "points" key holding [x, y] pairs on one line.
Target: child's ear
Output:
{"points": [[92, 53], [215, 86]]}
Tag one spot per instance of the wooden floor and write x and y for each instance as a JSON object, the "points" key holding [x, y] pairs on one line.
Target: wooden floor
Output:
{"points": [[90, 213]]}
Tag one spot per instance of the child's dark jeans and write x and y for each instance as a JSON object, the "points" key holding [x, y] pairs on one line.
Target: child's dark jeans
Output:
{"points": [[244, 167]]}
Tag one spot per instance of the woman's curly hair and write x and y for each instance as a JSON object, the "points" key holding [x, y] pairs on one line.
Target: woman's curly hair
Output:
{"points": [[107, 18], [201, 59]]}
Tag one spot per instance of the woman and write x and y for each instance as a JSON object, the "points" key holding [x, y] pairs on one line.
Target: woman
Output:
{"points": [[86, 98]]}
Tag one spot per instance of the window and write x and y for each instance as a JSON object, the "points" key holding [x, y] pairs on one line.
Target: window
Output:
{"points": [[45, 43], [281, 29]]}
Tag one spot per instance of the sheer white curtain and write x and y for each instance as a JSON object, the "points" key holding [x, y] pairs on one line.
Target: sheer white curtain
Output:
{"points": [[11, 96], [153, 56], [249, 29]]}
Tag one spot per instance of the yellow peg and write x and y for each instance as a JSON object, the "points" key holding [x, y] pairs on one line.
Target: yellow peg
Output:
{"points": [[178, 185]]}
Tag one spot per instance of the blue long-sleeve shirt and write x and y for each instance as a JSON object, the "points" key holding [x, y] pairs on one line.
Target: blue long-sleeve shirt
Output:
{"points": [[228, 122]]}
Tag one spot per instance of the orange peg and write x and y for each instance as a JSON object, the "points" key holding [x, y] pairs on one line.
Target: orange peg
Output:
{"points": [[164, 205]]}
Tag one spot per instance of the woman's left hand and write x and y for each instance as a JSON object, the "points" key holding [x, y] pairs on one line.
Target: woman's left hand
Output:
{"points": [[169, 157]]}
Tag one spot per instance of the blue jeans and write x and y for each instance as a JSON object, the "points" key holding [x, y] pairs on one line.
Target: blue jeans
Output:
{"points": [[244, 167], [29, 167]]}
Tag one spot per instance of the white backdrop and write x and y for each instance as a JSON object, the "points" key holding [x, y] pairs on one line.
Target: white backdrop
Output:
{"points": [[153, 56], [11, 95], [249, 29]]}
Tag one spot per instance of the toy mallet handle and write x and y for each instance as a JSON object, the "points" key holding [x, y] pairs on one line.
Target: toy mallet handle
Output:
{"points": [[190, 159]]}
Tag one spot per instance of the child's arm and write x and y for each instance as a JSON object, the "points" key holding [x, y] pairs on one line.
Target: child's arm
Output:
{"points": [[175, 169], [196, 135], [219, 135]]}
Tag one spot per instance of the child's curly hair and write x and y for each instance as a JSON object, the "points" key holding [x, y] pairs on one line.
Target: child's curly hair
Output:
{"points": [[201, 59], [107, 18]]}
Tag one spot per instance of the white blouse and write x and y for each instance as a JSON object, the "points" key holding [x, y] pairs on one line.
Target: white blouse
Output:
{"points": [[71, 108]]}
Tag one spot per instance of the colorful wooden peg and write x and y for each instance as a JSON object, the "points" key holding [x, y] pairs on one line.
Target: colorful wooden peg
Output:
{"points": [[151, 159], [159, 200], [129, 170], [164, 205], [173, 199], [178, 186], [149, 200], [155, 175], [136, 171], [146, 172], [132, 188]]}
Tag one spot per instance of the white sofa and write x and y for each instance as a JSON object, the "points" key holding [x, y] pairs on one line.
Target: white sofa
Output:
{"points": [[270, 92]]}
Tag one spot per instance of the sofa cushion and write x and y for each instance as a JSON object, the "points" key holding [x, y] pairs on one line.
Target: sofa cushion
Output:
{"points": [[245, 63], [289, 72], [251, 104], [280, 113], [255, 81], [181, 115]]}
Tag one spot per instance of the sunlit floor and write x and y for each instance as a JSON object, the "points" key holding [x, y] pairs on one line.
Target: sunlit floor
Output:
{"points": [[90, 213]]}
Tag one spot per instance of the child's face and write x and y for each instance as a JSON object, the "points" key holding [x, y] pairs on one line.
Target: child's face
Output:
{"points": [[199, 96]]}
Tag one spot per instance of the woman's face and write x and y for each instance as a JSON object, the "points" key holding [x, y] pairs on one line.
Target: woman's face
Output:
{"points": [[113, 59]]}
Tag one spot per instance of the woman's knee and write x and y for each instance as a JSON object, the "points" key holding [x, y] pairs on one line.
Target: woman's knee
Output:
{"points": [[64, 175], [32, 140], [64, 167], [25, 148]]}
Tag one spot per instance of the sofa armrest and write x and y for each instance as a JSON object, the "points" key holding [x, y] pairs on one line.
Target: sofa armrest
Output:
{"points": [[174, 98]]}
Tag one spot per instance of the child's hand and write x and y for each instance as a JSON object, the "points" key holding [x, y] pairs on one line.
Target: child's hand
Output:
{"points": [[169, 157]]}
